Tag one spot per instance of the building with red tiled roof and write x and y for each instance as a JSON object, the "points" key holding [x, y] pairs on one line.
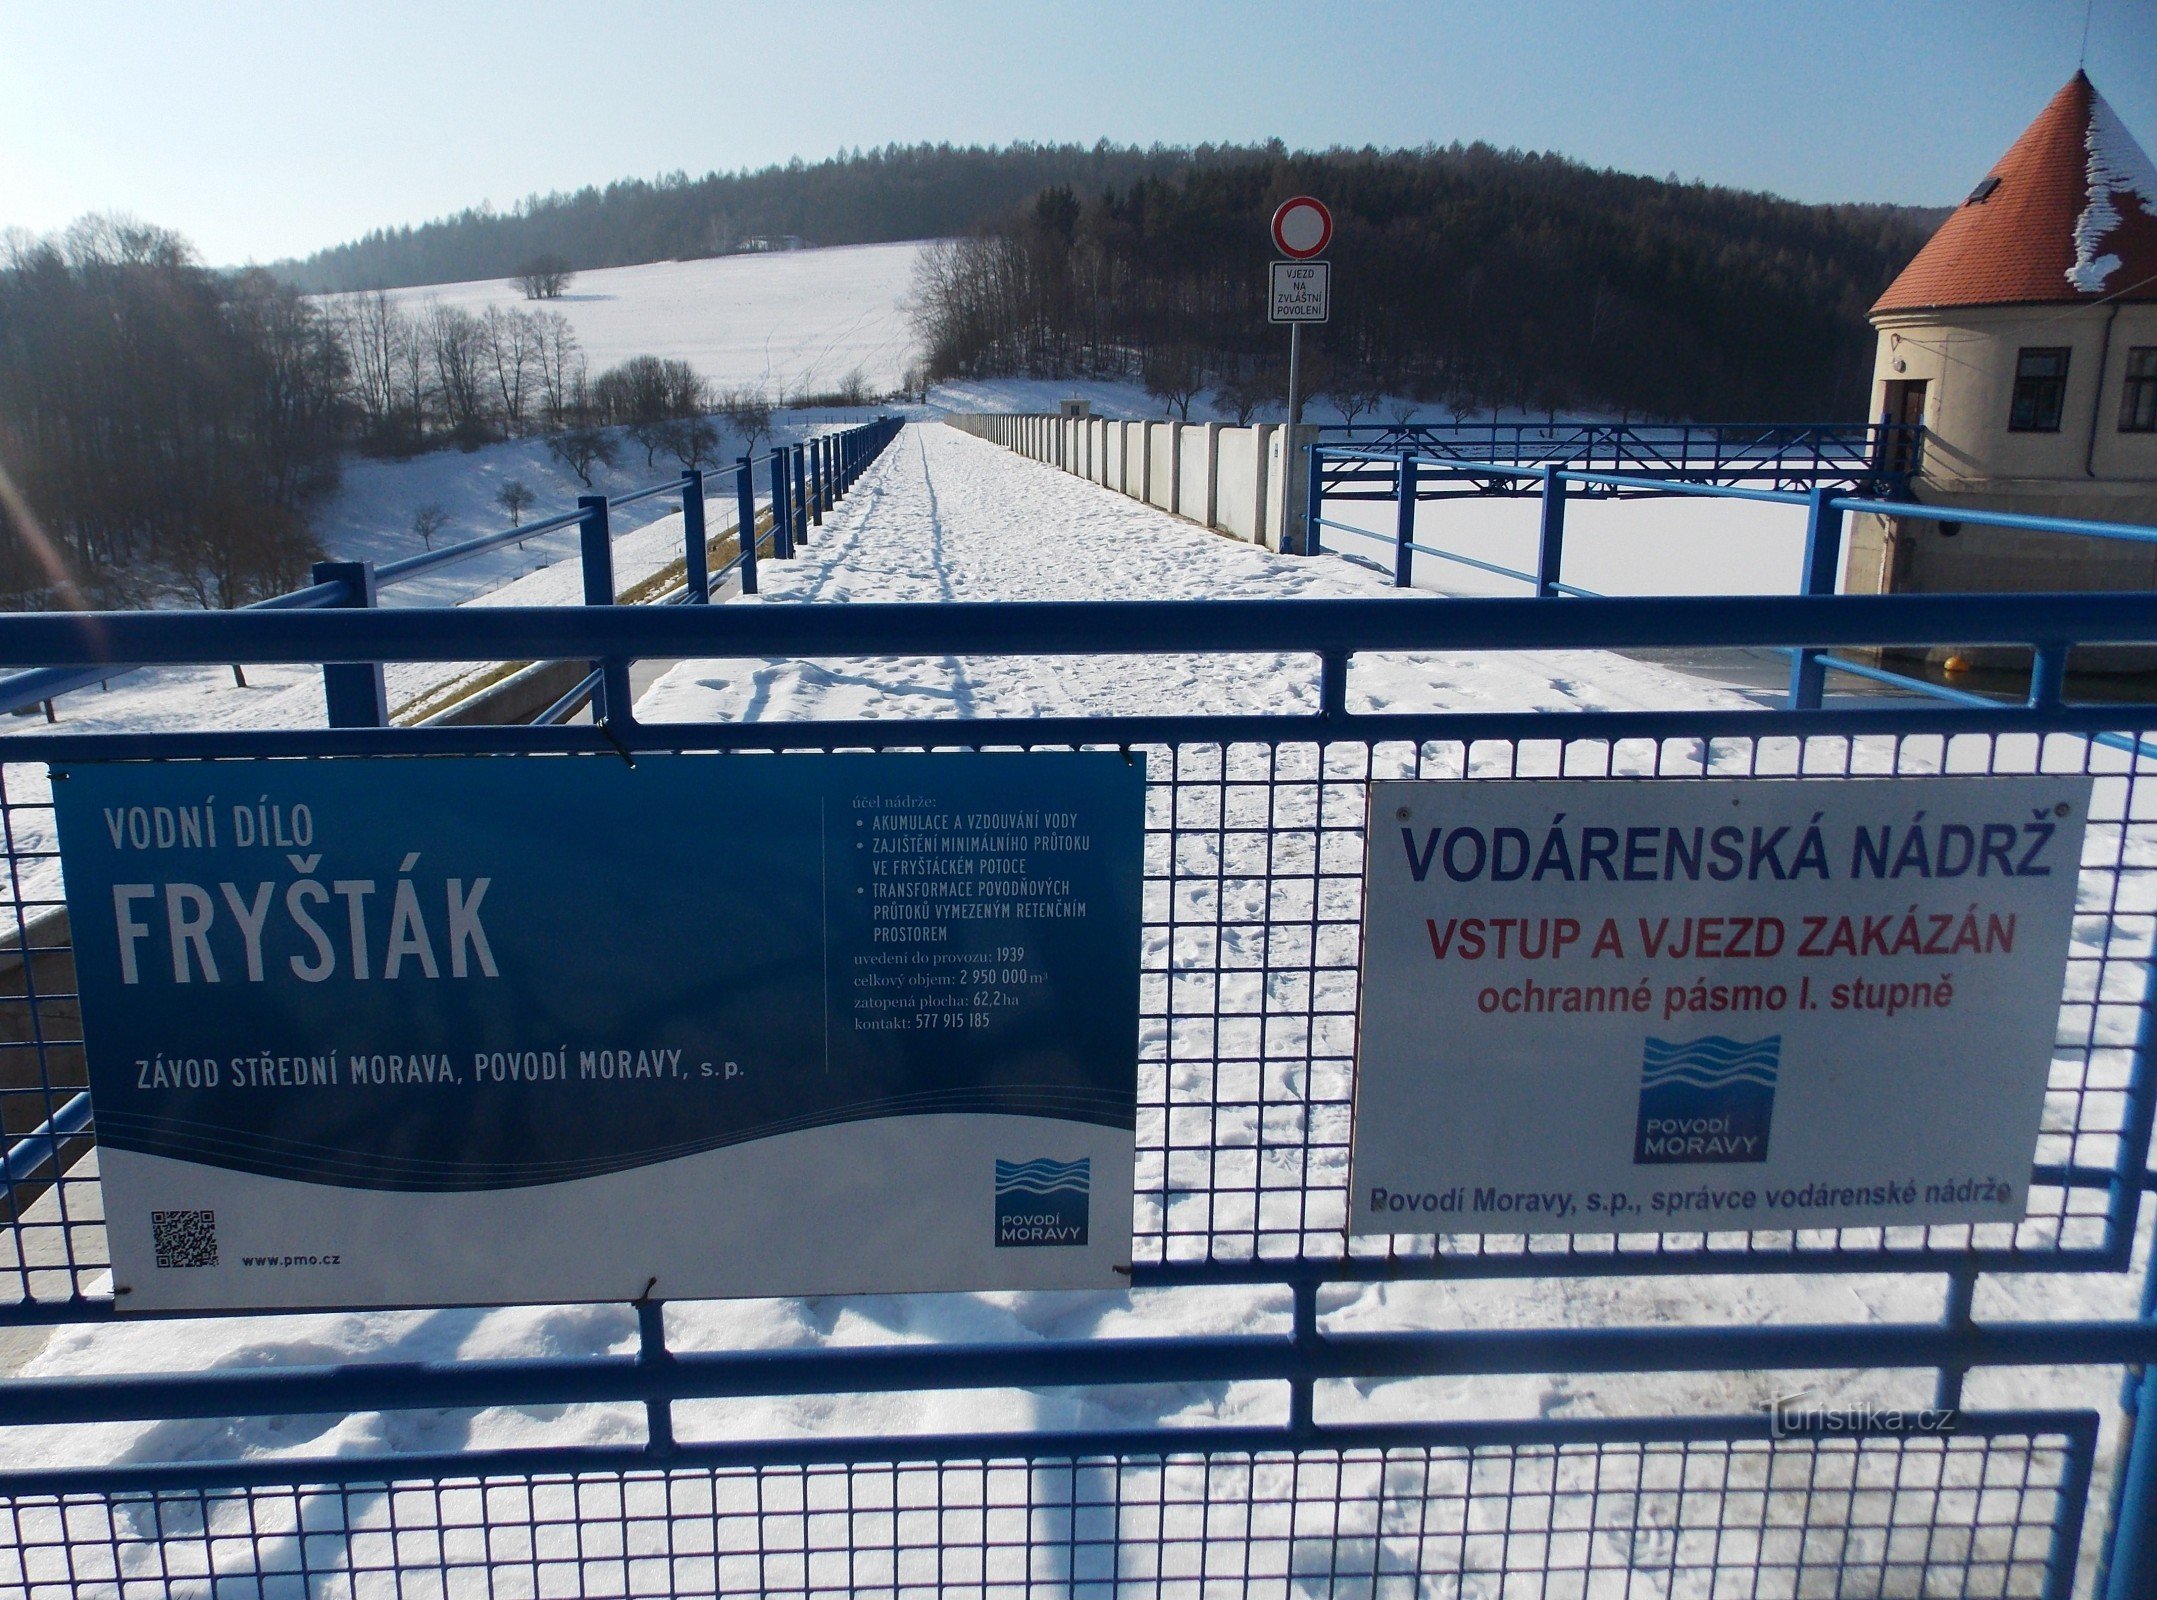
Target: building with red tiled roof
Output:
{"points": [[2023, 338], [2066, 217]]}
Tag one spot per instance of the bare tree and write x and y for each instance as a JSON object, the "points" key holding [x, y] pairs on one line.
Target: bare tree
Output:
{"points": [[516, 498], [581, 448], [455, 349], [510, 343], [1247, 391], [544, 277], [692, 440], [239, 550], [748, 412], [1354, 393], [415, 380], [1175, 375], [427, 521], [561, 367], [372, 328]]}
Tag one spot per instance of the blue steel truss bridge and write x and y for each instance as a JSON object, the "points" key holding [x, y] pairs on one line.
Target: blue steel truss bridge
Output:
{"points": [[1864, 458]]}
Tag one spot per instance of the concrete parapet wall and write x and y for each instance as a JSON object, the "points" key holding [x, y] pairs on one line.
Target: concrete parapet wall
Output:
{"points": [[1194, 472], [1232, 480], [1161, 465]]}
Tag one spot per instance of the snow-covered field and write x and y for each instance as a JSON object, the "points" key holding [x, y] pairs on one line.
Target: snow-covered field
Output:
{"points": [[794, 321], [945, 517]]}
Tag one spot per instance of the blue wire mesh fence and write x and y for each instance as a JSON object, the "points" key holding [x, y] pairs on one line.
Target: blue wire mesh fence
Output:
{"points": [[1988, 1511], [1253, 900]]}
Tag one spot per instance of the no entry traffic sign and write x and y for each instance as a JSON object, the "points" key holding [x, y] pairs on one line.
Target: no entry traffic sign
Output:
{"points": [[1302, 227]]}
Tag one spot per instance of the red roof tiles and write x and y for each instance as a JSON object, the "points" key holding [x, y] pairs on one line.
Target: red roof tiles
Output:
{"points": [[2071, 219]]}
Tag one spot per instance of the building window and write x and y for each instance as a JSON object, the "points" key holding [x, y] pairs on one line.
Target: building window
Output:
{"points": [[2040, 391], [2138, 401]]}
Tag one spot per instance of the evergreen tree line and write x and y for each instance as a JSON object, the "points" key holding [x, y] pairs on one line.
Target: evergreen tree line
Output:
{"points": [[898, 192], [1465, 278]]}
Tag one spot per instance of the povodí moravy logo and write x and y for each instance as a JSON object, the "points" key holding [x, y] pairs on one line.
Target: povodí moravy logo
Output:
{"points": [[1706, 1100], [1042, 1202]]}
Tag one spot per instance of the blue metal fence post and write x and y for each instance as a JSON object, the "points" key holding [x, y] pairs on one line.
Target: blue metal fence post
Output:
{"points": [[745, 533], [800, 501], [352, 691], [1314, 494], [596, 546], [654, 1358], [2129, 1564], [1550, 546], [782, 519], [814, 465], [1823, 548], [1404, 521], [693, 551]]}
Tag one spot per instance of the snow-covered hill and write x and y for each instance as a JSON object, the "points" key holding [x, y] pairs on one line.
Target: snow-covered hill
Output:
{"points": [[795, 321]]}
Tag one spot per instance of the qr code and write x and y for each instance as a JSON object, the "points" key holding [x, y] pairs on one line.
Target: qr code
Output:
{"points": [[185, 1238]]}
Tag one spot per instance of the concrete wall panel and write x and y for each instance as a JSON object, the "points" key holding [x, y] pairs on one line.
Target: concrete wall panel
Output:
{"points": [[1191, 475], [1160, 474], [1236, 483]]}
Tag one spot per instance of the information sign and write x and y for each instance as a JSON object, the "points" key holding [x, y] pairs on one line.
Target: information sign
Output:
{"points": [[1617, 1006], [379, 1032], [1302, 291]]}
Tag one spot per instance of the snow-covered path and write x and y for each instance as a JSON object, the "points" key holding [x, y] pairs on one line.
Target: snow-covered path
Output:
{"points": [[944, 516]]}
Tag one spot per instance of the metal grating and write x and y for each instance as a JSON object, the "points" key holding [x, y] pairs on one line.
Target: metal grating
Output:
{"points": [[1980, 1514], [1254, 860], [1254, 877]]}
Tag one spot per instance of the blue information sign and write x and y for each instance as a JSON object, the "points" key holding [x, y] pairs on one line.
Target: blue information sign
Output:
{"points": [[376, 1032]]}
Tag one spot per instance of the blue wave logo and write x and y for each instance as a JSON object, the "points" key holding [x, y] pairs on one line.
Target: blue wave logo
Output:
{"points": [[1706, 1101], [1042, 1202]]}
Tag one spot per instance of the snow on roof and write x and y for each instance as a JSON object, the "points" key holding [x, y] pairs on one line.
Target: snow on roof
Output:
{"points": [[2118, 170], [2068, 214]]}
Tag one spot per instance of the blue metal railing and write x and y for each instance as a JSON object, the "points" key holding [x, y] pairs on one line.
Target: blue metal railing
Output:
{"points": [[819, 470], [1860, 456], [1212, 1212], [1406, 470]]}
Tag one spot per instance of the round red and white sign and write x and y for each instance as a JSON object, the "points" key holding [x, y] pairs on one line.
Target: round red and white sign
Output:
{"points": [[1302, 227]]}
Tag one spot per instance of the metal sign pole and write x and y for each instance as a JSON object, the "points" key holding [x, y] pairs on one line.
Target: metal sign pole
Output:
{"points": [[1302, 228], [1295, 373], [1295, 415]]}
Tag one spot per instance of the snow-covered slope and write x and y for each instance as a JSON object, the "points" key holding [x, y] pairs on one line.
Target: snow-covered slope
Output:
{"points": [[793, 321]]}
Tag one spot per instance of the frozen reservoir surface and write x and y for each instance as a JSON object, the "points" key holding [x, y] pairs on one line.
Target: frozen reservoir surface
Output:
{"points": [[944, 517]]}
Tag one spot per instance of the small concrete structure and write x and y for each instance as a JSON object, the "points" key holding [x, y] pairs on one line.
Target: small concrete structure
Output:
{"points": [[2023, 338]]}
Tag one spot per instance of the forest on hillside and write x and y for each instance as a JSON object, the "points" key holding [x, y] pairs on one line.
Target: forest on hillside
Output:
{"points": [[1463, 279], [863, 197], [1465, 276]]}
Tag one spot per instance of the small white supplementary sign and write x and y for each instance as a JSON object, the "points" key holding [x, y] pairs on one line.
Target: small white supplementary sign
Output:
{"points": [[1301, 291], [1623, 1007]]}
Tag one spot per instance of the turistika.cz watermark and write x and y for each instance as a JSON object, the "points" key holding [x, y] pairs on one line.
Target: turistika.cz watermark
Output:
{"points": [[1797, 1416]]}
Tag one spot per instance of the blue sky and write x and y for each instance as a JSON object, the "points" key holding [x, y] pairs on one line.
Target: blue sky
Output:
{"points": [[268, 129]]}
